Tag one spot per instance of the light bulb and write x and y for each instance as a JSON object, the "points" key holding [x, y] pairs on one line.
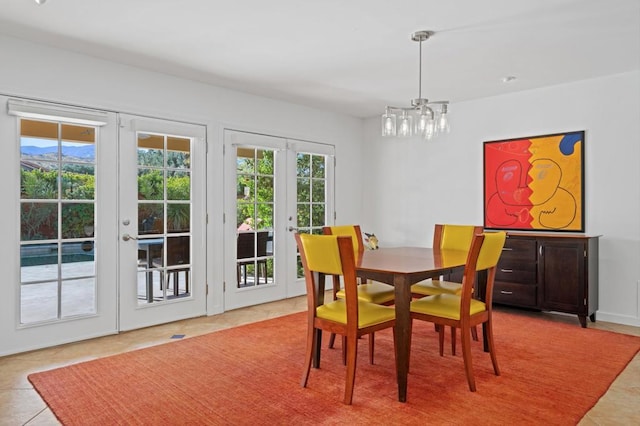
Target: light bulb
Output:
{"points": [[41, 2], [388, 124], [405, 125]]}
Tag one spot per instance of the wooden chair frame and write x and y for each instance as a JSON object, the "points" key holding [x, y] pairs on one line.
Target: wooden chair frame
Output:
{"points": [[467, 321], [315, 295]]}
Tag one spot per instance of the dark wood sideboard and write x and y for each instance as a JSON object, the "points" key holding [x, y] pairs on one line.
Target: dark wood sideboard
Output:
{"points": [[549, 272]]}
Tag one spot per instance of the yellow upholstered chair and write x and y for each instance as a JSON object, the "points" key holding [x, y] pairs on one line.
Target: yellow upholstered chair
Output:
{"points": [[331, 255], [373, 292], [461, 310], [450, 237]]}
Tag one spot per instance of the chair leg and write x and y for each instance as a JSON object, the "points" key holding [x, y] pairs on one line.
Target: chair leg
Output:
{"points": [[453, 340], [344, 350], [492, 349], [372, 344], [465, 335], [308, 355], [474, 333], [352, 353], [332, 340], [441, 339]]}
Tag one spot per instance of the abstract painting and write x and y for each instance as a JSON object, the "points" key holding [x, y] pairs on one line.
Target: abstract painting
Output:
{"points": [[535, 183]]}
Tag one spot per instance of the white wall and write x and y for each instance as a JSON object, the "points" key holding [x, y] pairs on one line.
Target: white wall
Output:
{"points": [[413, 184], [41, 72]]}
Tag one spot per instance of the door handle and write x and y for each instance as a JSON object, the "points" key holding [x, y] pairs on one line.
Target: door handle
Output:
{"points": [[127, 237], [292, 229]]}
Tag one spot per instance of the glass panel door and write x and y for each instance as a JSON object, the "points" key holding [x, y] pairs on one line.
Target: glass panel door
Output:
{"points": [[162, 222], [58, 200], [310, 200], [277, 189]]}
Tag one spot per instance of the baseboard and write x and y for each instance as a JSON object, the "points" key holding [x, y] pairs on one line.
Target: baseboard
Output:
{"points": [[618, 319]]}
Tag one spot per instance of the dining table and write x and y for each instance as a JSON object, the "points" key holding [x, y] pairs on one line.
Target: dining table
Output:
{"points": [[402, 267]]}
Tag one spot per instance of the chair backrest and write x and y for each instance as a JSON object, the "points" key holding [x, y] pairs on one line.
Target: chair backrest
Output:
{"points": [[329, 255], [454, 237], [246, 241], [178, 250], [484, 254], [352, 231]]}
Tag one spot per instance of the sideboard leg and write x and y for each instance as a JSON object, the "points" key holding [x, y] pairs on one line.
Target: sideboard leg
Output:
{"points": [[583, 320]]}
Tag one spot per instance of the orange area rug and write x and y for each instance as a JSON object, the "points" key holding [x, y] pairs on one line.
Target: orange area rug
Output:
{"points": [[250, 375]]}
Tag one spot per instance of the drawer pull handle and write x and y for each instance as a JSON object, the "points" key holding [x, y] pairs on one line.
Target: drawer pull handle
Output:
{"points": [[508, 271], [505, 292], [507, 249]]}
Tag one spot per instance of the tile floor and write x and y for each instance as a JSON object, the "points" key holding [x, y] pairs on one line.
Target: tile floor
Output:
{"points": [[21, 405]]}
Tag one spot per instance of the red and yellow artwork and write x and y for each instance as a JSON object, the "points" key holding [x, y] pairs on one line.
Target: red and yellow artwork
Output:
{"points": [[535, 183]]}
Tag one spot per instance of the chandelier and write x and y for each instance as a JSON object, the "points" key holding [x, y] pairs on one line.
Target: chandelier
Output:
{"points": [[420, 118]]}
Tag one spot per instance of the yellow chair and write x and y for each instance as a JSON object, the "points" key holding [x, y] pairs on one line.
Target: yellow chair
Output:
{"points": [[331, 255], [462, 311], [373, 292], [450, 237]]}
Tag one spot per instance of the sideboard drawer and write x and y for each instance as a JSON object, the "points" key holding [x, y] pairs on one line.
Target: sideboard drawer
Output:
{"points": [[508, 273], [520, 251], [515, 294]]}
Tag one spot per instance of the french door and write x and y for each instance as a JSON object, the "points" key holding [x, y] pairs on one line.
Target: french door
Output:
{"points": [[104, 228], [162, 220], [58, 256], [273, 188]]}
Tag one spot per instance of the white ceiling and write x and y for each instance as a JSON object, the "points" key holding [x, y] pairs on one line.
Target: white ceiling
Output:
{"points": [[349, 56]]}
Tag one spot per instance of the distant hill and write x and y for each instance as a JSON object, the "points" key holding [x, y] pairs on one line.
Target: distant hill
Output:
{"points": [[84, 152]]}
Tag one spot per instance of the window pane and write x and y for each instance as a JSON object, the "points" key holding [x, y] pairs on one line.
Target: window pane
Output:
{"points": [[150, 184], [265, 188], [318, 191], [178, 185], [303, 185], [39, 221], [77, 220], [245, 216], [78, 152], [317, 166], [150, 218], [178, 152], [78, 260], [318, 215], [150, 150], [304, 215], [265, 162], [38, 183], [40, 151], [178, 251], [178, 217], [304, 165], [38, 302], [78, 181], [78, 297], [245, 160], [264, 216], [38, 262], [245, 185]]}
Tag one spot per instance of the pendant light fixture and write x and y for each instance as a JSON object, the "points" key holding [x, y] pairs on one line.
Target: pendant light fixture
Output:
{"points": [[420, 118]]}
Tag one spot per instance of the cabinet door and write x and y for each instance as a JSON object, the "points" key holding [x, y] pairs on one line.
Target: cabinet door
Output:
{"points": [[562, 276]]}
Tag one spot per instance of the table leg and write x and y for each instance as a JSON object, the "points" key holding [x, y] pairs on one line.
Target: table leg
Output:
{"points": [[403, 332]]}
